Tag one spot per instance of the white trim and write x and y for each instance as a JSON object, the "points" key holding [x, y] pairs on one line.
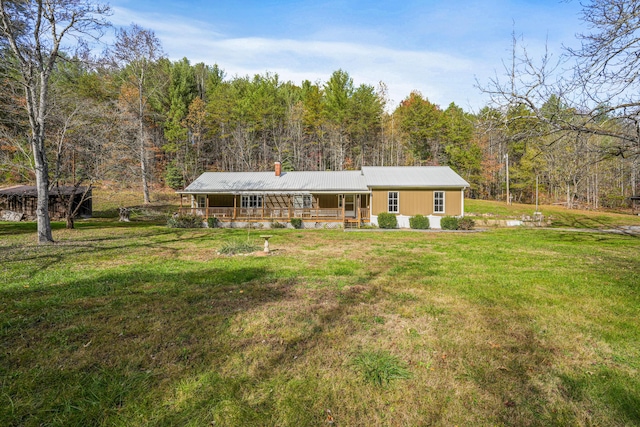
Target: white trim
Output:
{"points": [[462, 203], [434, 221], [259, 201], [443, 202], [397, 211], [403, 221]]}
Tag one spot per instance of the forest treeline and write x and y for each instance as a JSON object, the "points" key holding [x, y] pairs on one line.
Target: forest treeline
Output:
{"points": [[137, 118]]}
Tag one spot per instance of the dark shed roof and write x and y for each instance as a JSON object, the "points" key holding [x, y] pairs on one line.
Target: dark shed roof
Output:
{"points": [[31, 191]]}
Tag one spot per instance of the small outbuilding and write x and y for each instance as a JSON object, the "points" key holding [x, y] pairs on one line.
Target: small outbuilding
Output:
{"points": [[23, 199], [635, 202]]}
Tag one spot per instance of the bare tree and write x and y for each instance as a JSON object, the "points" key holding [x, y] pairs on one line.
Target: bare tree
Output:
{"points": [[79, 128], [34, 30], [601, 91], [136, 50]]}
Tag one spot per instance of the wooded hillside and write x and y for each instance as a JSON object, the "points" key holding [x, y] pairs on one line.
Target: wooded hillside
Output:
{"points": [[136, 118]]}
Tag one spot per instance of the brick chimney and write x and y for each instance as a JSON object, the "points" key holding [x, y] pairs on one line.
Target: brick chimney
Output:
{"points": [[278, 169]]}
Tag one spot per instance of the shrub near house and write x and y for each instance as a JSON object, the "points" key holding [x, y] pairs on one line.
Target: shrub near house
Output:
{"points": [[419, 222], [387, 220], [449, 223]]}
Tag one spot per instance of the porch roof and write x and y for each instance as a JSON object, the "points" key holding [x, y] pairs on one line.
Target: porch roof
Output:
{"points": [[292, 182]]}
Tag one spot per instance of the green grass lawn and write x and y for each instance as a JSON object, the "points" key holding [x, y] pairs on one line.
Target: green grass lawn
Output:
{"points": [[560, 216], [137, 324]]}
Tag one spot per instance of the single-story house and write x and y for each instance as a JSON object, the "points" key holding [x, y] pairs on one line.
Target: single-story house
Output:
{"points": [[327, 198], [23, 199]]}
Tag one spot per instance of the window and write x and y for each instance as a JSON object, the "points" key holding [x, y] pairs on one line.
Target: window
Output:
{"points": [[438, 201], [394, 202], [302, 201], [251, 201], [201, 201]]}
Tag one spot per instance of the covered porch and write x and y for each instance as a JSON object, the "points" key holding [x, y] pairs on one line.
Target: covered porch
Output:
{"points": [[348, 208]]}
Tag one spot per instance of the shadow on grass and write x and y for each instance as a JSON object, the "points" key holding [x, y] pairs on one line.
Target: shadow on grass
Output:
{"points": [[229, 399], [101, 349], [30, 227], [597, 223], [43, 257], [617, 389], [79, 352], [519, 356], [16, 228]]}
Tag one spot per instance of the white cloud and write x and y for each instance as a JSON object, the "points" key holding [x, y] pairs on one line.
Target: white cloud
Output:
{"points": [[441, 77], [438, 76]]}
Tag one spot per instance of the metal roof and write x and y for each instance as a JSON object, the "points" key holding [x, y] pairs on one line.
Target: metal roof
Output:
{"points": [[412, 177], [234, 182], [32, 191], [328, 181]]}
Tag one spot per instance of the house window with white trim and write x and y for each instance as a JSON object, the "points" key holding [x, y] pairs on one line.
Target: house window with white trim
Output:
{"points": [[201, 201], [394, 202], [302, 201], [438, 201], [251, 201]]}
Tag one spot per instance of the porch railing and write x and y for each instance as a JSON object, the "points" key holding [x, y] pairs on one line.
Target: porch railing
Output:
{"points": [[272, 214]]}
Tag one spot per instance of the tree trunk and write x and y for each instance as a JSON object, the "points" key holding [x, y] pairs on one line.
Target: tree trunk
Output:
{"points": [[141, 136], [42, 174], [143, 171], [42, 185]]}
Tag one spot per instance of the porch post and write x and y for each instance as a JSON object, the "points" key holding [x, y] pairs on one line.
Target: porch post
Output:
{"points": [[206, 206], [344, 204], [289, 207], [235, 205], [358, 209], [264, 201]]}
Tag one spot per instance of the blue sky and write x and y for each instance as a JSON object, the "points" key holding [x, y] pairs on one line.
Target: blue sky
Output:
{"points": [[436, 47]]}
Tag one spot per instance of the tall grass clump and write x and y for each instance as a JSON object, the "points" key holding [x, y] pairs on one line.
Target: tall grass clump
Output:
{"points": [[185, 221], [387, 220], [419, 222], [234, 247], [380, 367], [296, 223]]}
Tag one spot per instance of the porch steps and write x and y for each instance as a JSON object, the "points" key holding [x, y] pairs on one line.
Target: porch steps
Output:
{"points": [[351, 223]]}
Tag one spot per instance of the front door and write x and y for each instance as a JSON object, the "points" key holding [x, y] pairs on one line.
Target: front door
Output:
{"points": [[350, 205]]}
